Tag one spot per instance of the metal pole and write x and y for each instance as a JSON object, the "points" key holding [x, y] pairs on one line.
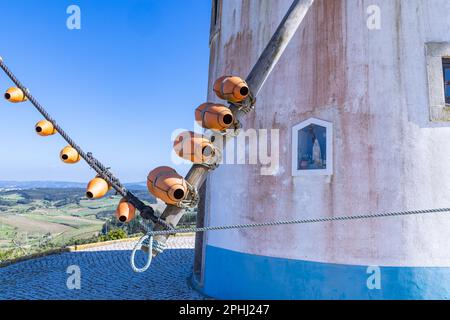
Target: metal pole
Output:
{"points": [[256, 79]]}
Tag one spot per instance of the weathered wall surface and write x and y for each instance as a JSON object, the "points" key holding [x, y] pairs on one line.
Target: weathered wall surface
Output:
{"points": [[388, 156]]}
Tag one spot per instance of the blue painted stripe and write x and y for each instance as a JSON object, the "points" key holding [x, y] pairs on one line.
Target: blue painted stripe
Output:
{"points": [[235, 275]]}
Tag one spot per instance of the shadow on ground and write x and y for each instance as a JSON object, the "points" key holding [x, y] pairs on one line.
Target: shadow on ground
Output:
{"points": [[104, 275]]}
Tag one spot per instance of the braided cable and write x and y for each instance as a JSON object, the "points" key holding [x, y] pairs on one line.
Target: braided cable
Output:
{"points": [[94, 163], [301, 221], [88, 157]]}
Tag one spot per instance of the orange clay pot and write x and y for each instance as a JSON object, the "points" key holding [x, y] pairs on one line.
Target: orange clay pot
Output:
{"points": [[69, 155], [125, 212], [15, 95], [45, 128], [232, 89], [166, 184], [193, 147], [97, 188], [214, 116]]}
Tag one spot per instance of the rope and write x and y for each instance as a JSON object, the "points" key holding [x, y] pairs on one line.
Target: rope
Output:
{"points": [[137, 247], [300, 221], [247, 105], [193, 200], [151, 245], [88, 157], [146, 211]]}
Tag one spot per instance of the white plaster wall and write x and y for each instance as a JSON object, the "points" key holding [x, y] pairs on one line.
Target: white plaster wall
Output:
{"points": [[388, 156]]}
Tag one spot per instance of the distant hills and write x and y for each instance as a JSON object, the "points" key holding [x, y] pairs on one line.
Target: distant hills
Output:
{"points": [[20, 185]]}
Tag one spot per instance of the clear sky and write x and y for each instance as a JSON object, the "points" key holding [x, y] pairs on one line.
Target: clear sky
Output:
{"points": [[135, 71]]}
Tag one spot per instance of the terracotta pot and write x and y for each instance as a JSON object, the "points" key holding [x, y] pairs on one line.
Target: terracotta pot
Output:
{"points": [[214, 116], [69, 155], [166, 184], [125, 211], [15, 95], [232, 89]]}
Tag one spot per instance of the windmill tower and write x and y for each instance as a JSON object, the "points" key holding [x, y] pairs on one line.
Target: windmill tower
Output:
{"points": [[367, 86]]}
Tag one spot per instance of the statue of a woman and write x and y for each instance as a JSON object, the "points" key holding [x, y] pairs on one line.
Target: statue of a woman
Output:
{"points": [[317, 153]]}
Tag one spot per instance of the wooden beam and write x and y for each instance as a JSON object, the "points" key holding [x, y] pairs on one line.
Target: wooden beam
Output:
{"points": [[256, 79], [276, 46]]}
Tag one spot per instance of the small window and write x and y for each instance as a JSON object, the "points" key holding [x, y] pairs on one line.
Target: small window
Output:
{"points": [[311, 146], [446, 65], [215, 19], [438, 67]]}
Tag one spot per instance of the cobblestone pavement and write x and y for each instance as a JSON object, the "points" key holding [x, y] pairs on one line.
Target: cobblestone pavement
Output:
{"points": [[105, 274]]}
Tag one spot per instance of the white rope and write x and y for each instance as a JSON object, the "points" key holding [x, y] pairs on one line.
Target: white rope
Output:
{"points": [[137, 247]]}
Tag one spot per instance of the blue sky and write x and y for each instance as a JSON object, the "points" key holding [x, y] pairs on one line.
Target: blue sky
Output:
{"points": [[135, 71]]}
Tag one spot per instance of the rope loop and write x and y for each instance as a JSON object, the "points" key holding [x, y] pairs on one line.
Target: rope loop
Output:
{"points": [[148, 240], [151, 244]]}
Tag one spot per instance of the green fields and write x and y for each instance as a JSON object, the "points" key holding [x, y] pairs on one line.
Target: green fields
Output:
{"points": [[39, 219], [56, 217]]}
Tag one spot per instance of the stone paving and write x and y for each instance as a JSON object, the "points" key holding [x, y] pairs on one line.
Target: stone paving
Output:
{"points": [[105, 274]]}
